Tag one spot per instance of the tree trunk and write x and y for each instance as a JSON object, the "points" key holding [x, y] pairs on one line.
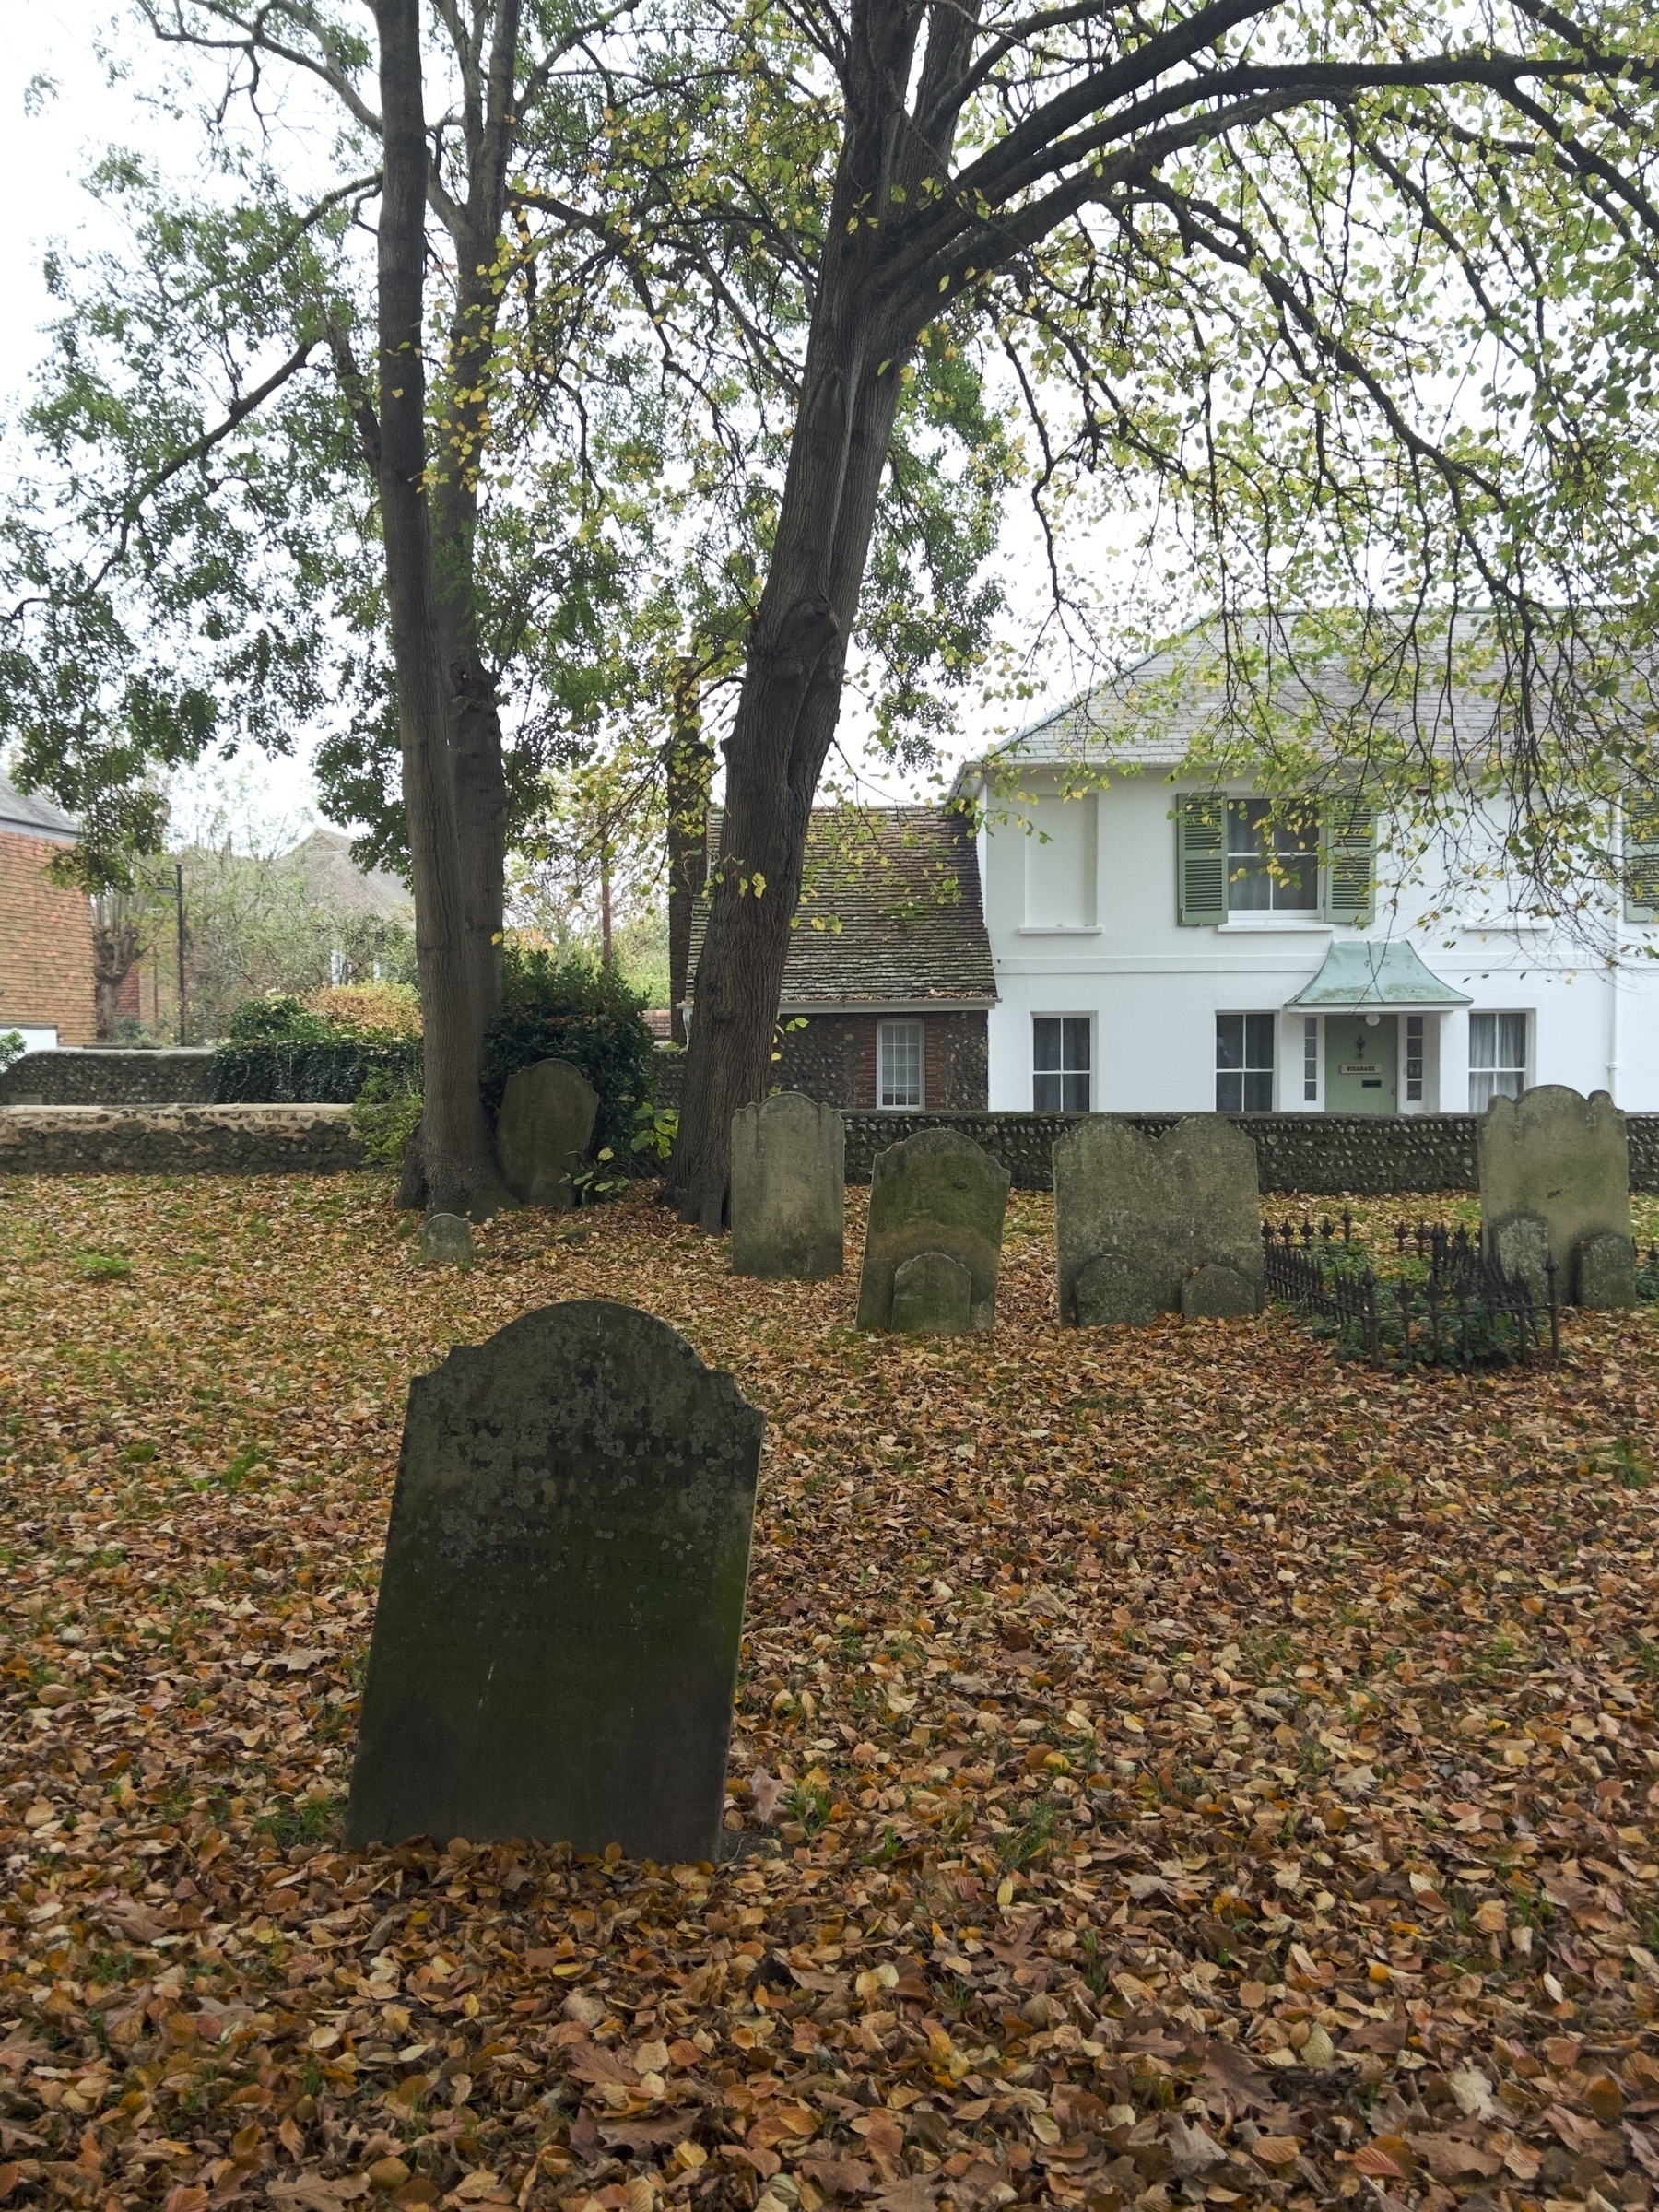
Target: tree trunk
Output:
{"points": [[786, 719], [456, 1156], [690, 769]]}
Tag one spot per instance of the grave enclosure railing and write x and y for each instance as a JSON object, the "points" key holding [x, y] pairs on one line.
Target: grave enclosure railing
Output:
{"points": [[1448, 1306]]}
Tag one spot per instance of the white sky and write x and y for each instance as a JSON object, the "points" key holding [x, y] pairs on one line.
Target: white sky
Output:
{"points": [[44, 156]]}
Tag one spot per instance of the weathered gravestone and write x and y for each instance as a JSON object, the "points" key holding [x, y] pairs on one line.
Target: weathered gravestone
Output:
{"points": [[445, 1240], [554, 1647], [1137, 1218], [544, 1130], [1216, 1293], [933, 1296], [1604, 1271], [1561, 1162], [789, 1175], [936, 1193]]}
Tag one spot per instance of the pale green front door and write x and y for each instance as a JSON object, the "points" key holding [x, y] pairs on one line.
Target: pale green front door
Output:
{"points": [[1362, 1064]]}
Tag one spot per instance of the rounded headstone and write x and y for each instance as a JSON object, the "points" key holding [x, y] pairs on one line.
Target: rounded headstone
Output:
{"points": [[1560, 1159], [544, 1130], [1217, 1293], [789, 1176], [1149, 1210], [933, 1296], [1604, 1273], [1106, 1293], [446, 1241], [936, 1192]]}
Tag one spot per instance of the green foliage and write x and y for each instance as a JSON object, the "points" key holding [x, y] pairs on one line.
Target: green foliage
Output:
{"points": [[385, 1115], [327, 1072], [280, 1018], [573, 1010], [12, 1047]]}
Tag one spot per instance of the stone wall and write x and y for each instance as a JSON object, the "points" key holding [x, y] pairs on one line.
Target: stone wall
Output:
{"points": [[177, 1140], [108, 1076], [1317, 1154]]}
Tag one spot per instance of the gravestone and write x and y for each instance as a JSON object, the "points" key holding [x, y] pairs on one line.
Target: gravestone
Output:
{"points": [[1605, 1272], [1521, 1247], [1217, 1293], [445, 1240], [1560, 1159], [933, 1296], [935, 1192], [1135, 1217], [554, 1647], [544, 1130], [789, 1176]]}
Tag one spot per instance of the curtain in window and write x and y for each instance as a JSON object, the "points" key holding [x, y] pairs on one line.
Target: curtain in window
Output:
{"points": [[1497, 1058]]}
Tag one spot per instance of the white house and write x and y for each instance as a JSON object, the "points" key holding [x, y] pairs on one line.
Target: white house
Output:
{"points": [[1150, 954]]}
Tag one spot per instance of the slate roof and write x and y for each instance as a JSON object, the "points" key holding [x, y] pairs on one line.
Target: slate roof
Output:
{"points": [[1286, 675], [29, 815], [889, 914]]}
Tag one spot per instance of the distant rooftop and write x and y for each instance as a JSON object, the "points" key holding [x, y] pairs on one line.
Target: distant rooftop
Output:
{"points": [[333, 879], [33, 816], [890, 913]]}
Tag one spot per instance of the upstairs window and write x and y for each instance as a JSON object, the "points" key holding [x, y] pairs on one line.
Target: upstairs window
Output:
{"points": [[1244, 1063], [1060, 1057], [898, 1064], [1497, 1058], [1272, 865]]}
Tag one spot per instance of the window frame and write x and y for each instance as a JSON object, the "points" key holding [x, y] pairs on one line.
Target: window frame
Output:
{"points": [[1309, 891], [1246, 1068], [884, 1030], [1496, 1016], [1068, 1023]]}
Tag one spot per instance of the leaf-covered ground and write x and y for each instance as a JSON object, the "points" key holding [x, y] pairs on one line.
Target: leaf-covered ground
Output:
{"points": [[1169, 1766]]}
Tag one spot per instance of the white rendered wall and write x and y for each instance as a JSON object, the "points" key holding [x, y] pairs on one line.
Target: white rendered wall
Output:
{"points": [[1153, 988]]}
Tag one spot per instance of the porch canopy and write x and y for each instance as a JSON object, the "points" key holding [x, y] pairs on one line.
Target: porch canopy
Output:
{"points": [[1363, 979]]}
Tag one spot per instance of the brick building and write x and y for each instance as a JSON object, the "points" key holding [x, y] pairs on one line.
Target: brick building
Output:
{"points": [[45, 932], [889, 979]]}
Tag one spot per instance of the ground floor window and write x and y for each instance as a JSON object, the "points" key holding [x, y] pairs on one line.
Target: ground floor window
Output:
{"points": [[1497, 1058], [1244, 1064], [1060, 1058], [898, 1064], [1310, 1060]]}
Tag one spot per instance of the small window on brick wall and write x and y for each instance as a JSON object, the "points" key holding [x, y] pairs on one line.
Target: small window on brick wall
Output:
{"points": [[898, 1064]]}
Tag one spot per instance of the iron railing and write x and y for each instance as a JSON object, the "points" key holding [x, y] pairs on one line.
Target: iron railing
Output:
{"points": [[1449, 1305]]}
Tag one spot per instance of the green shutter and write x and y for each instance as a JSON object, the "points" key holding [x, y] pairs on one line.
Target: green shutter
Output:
{"points": [[1641, 857], [1349, 828], [1201, 858]]}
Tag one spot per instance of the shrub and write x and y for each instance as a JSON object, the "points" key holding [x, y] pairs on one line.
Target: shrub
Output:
{"points": [[573, 1010], [282, 1052], [377, 1010], [385, 1114]]}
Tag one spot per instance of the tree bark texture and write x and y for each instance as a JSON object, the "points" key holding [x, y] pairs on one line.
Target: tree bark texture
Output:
{"points": [[859, 336], [688, 774], [456, 1156]]}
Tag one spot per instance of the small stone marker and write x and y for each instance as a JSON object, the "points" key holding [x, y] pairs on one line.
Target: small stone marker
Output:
{"points": [[789, 1177], [1561, 1162], [1605, 1272], [933, 1296], [937, 1194], [446, 1241], [1137, 1217], [544, 1130], [555, 1648], [1217, 1293]]}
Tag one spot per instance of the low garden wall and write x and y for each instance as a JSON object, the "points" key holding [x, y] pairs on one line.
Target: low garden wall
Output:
{"points": [[1316, 1154], [111, 1076], [177, 1140]]}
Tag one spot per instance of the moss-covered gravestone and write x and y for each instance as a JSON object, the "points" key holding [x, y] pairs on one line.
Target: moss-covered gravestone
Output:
{"points": [[789, 1176], [554, 1647], [445, 1240], [1138, 1218], [933, 1296], [1555, 1169], [936, 1193], [544, 1130]]}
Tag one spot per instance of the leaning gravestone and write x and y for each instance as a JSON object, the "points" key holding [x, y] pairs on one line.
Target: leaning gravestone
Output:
{"points": [[555, 1648], [544, 1130], [1560, 1163], [789, 1175], [445, 1240], [1138, 1218], [936, 1192]]}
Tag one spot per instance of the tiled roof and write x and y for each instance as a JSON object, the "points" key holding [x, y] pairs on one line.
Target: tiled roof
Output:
{"points": [[331, 879], [34, 817], [890, 913], [1289, 674]]}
